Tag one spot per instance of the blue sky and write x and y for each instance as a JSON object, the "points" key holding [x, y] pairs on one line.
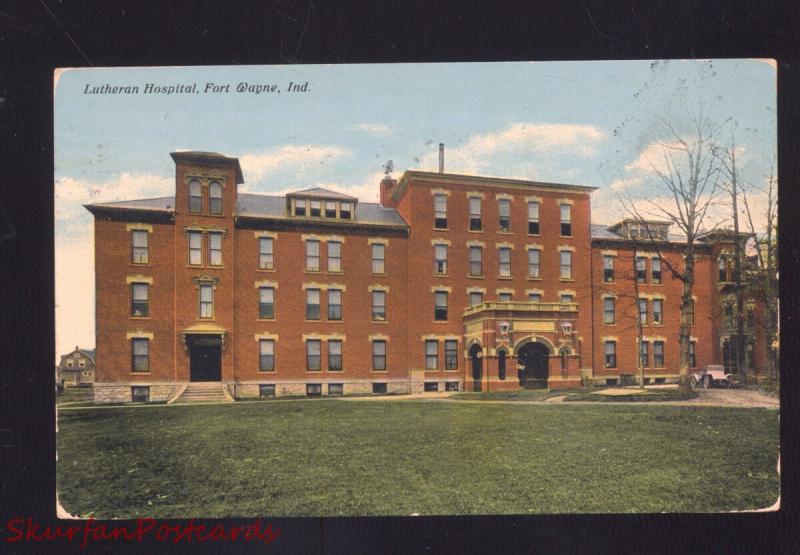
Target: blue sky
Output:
{"points": [[550, 121]]}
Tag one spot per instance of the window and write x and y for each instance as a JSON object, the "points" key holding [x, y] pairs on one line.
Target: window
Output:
{"points": [[534, 297], [378, 258], [609, 310], [334, 256], [266, 390], [431, 387], [693, 354], [564, 355], [450, 354], [566, 220], [566, 299], [265, 253], [608, 269], [140, 394], [316, 209], [642, 311], [534, 266], [314, 389], [440, 211], [140, 347], [611, 354], [475, 222], [266, 355], [330, 209], [504, 213], [656, 270], [379, 387], [440, 259], [750, 316], [723, 270], [139, 245], [379, 355], [312, 304], [431, 354], [728, 310], [476, 261], [345, 211], [641, 269], [215, 198], [451, 386], [334, 355], [266, 303], [379, 306], [691, 313], [140, 299], [504, 297], [501, 365], [312, 256], [300, 207], [313, 356], [658, 354], [335, 389], [658, 306], [566, 264], [206, 301], [195, 248], [504, 256], [440, 306], [334, 304], [533, 218], [215, 249], [644, 355], [475, 298], [195, 197]]}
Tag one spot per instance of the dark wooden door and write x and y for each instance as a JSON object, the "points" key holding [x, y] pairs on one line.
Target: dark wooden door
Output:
{"points": [[205, 363]]}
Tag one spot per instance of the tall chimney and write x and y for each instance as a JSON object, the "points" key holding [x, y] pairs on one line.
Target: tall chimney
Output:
{"points": [[441, 157]]}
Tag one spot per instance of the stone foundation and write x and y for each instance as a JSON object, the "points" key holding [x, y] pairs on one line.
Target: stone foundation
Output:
{"points": [[251, 390], [122, 393]]}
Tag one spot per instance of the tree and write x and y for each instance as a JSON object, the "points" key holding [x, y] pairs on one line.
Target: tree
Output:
{"points": [[679, 150]]}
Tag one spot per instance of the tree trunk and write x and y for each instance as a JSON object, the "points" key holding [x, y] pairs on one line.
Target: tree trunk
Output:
{"points": [[686, 321]]}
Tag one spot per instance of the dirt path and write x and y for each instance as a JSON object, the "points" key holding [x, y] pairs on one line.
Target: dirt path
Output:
{"points": [[735, 398]]}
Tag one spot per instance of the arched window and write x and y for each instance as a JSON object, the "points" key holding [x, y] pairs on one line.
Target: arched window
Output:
{"points": [[195, 197], [564, 354], [215, 198], [501, 364]]}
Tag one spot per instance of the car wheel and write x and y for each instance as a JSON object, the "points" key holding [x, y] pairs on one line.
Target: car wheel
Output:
{"points": [[693, 381], [707, 382]]}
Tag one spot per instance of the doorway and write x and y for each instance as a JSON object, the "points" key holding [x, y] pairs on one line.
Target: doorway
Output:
{"points": [[205, 358], [536, 360], [476, 360]]}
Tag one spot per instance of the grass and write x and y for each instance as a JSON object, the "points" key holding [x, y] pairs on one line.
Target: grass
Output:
{"points": [[334, 457], [75, 395], [579, 394], [647, 395], [515, 395]]}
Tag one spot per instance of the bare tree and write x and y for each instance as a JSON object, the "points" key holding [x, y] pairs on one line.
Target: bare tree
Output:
{"points": [[765, 281], [682, 161]]}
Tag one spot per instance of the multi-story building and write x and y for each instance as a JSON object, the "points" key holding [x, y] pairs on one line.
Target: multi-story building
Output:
{"points": [[450, 282], [76, 368]]}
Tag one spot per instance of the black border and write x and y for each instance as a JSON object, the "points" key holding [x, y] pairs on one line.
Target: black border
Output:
{"points": [[36, 37]]}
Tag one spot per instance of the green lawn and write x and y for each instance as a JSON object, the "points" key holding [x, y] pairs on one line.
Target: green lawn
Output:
{"points": [[75, 394], [336, 457]]}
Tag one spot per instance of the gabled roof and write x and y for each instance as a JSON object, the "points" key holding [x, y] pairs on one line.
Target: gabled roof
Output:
{"points": [[85, 352], [161, 204], [319, 192]]}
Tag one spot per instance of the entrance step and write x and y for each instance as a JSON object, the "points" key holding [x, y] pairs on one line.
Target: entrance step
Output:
{"points": [[205, 392]]}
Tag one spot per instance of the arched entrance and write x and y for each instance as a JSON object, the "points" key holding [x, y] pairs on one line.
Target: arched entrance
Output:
{"points": [[476, 362], [535, 357]]}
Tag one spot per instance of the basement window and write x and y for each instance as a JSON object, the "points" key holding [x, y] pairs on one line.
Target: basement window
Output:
{"points": [[451, 386], [379, 387], [431, 386], [314, 389], [140, 394], [335, 389], [266, 391]]}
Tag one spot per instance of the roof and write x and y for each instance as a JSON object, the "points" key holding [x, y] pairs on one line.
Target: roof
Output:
{"points": [[319, 192], [202, 157], [273, 207], [85, 352], [161, 204], [602, 231]]}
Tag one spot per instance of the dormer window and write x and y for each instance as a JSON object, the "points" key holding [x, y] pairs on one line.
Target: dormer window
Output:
{"points": [[330, 209], [195, 197], [345, 211], [300, 207], [215, 198], [316, 209]]}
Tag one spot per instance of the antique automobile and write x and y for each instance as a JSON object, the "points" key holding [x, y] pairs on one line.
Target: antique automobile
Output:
{"points": [[713, 375]]}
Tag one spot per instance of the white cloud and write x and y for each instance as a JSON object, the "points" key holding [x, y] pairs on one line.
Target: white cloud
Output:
{"points": [[293, 157], [654, 157], [368, 190], [375, 128], [517, 147], [623, 184]]}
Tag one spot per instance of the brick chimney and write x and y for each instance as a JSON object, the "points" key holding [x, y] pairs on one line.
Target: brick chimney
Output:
{"points": [[387, 185]]}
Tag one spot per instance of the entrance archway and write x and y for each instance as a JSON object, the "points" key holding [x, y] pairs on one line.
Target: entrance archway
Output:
{"points": [[535, 357], [476, 361]]}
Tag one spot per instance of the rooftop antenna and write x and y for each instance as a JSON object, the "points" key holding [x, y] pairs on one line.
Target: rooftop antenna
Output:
{"points": [[388, 168]]}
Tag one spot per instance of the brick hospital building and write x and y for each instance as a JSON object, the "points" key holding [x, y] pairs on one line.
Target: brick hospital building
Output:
{"points": [[451, 282]]}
